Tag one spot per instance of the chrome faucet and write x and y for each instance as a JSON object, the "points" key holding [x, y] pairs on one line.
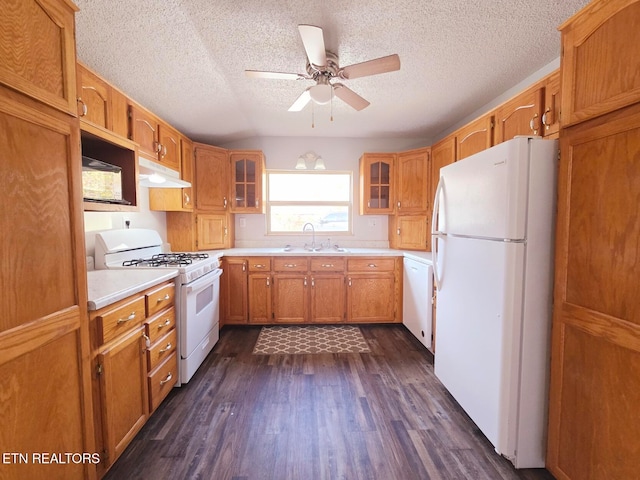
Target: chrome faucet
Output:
{"points": [[313, 234]]}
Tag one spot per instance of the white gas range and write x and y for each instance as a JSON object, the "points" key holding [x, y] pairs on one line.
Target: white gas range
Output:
{"points": [[197, 287]]}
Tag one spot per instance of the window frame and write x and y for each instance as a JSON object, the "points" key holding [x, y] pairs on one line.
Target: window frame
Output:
{"points": [[349, 204]]}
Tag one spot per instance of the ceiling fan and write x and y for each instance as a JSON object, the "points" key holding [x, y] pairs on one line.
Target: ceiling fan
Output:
{"points": [[322, 66]]}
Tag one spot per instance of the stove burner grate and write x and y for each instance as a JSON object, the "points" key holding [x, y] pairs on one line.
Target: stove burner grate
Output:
{"points": [[166, 260]]}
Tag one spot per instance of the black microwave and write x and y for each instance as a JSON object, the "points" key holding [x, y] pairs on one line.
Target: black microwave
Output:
{"points": [[101, 182]]}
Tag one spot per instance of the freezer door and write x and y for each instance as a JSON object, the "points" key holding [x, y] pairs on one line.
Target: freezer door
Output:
{"points": [[479, 307], [485, 195]]}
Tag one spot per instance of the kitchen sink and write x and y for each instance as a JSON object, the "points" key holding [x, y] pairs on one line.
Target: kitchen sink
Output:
{"points": [[308, 249]]}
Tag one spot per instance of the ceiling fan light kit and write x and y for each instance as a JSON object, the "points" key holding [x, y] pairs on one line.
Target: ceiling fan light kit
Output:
{"points": [[322, 67]]}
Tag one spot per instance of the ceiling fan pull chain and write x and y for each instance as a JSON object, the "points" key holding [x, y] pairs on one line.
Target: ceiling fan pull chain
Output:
{"points": [[313, 123], [331, 104]]}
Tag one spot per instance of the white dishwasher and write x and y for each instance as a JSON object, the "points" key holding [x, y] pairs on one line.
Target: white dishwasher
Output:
{"points": [[417, 299]]}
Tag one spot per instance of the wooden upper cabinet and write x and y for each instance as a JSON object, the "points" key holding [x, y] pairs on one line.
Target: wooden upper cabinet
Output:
{"points": [[599, 64], [100, 104], [522, 115], [211, 178], [38, 51], [169, 154], [443, 153], [247, 179], [412, 170], [144, 131], [474, 137], [551, 107], [377, 195], [157, 141], [187, 166], [214, 231], [409, 232]]}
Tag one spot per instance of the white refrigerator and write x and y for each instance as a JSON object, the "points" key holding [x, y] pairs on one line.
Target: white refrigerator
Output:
{"points": [[493, 234]]}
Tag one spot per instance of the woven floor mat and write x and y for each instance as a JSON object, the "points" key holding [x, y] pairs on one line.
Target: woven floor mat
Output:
{"points": [[310, 339]]}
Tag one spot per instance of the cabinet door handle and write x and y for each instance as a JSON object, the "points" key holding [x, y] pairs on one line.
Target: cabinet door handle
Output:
{"points": [[224, 202], [187, 199], [164, 299], [157, 146], [532, 124], [372, 265], [131, 316], [166, 323], [398, 231], [164, 151], [244, 267], [268, 282], [166, 379], [544, 118], [313, 282], [147, 341], [349, 282], [305, 281], [85, 110], [398, 204], [165, 349], [257, 203]]}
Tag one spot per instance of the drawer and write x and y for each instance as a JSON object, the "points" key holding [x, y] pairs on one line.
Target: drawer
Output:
{"points": [[160, 324], [259, 264], [121, 319], [160, 298], [162, 380], [290, 264], [327, 264], [162, 349], [371, 264]]}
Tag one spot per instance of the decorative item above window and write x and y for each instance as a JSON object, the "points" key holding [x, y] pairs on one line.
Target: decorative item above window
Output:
{"points": [[310, 158]]}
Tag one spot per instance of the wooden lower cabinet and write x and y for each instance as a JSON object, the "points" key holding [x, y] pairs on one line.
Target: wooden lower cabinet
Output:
{"points": [[327, 300], [260, 305], [234, 291], [135, 363], [122, 376], [290, 297], [298, 290]]}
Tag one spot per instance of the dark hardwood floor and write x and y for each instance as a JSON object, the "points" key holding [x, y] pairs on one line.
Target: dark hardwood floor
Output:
{"points": [[380, 415]]}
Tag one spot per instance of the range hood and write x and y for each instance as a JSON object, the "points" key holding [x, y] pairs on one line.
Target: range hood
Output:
{"points": [[153, 175]]}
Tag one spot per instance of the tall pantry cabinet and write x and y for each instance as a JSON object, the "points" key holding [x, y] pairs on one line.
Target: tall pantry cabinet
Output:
{"points": [[45, 377], [594, 420]]}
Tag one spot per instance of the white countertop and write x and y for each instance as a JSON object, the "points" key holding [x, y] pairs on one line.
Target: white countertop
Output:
{"points": [[348, 252], [109, 286]]}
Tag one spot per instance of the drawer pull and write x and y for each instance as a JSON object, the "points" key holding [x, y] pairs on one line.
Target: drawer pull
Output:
{"points": [[166, 349], [128, 319], [290, 265], [166, 323], [327, 265], [166, 379], [258, 265], [372, 265], [165, 298]]}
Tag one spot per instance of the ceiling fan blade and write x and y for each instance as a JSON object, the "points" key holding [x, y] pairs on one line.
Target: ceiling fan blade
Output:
{"points": [[301, 101], [349, 97], [389, 63], [275, 75], [313, 41]]}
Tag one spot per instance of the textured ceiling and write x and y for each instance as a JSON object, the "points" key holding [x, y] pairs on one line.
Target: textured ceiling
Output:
{"points": [[185, 60]]}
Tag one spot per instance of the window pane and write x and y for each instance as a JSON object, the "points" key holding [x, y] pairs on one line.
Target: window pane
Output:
{"points": [[291, 218], [309, 187]]}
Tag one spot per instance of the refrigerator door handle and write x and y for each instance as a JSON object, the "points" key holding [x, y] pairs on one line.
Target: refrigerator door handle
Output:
{"points": [[436, 234]]}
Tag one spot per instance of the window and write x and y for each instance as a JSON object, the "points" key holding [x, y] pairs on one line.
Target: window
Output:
{"points": [[320, 198]]}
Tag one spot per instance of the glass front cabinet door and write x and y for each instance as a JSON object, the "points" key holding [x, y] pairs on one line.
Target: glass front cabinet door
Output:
{"points": [[247, 169], [376, 183]]}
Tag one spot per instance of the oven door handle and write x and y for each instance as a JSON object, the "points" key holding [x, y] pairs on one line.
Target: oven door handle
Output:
{"points": [[204, 281]]}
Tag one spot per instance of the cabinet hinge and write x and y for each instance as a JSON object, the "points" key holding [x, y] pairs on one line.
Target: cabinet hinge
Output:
{"points": [[99, 369], [273, 315], [104, 455]]}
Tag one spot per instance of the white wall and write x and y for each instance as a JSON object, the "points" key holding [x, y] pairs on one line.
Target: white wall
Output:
{"points": [[281, 153], [98, 221]]}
